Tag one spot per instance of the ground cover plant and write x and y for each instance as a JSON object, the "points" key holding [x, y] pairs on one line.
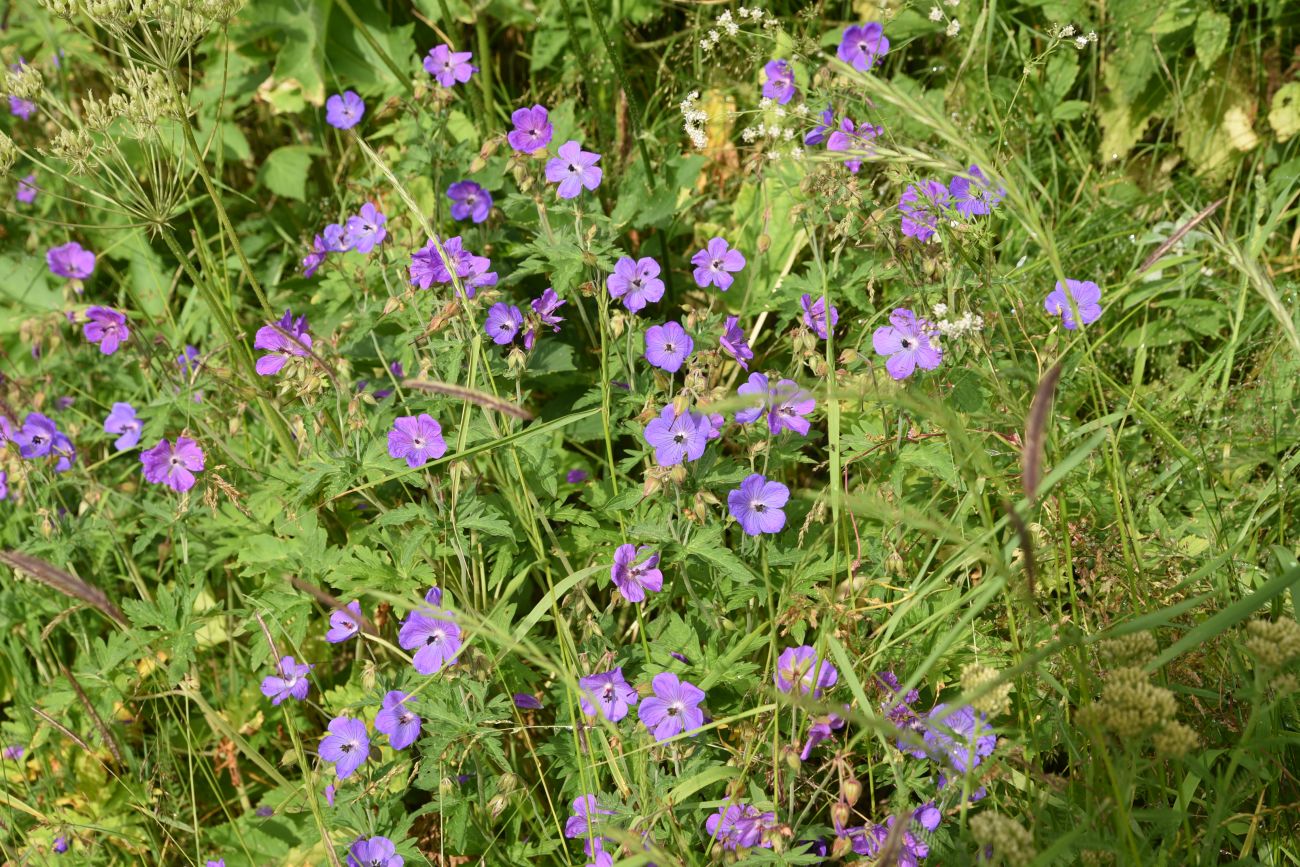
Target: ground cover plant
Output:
{"points": [[615, 432]]}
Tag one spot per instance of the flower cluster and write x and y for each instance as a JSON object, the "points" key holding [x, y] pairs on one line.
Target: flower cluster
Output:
{"points": [[362, 232]]}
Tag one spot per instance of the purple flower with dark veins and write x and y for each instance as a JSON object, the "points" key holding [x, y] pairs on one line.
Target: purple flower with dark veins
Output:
{"points": [[545, 308], [431, 633], [801, 667], [636, 281], [817, 134], [469, 201], [780, 81], [449, 67], [785, 404], [715, 264], [344, 623], [862, 45], [580, 824], [855, 139], [921, 206], [344, 110], [973, 194], [909, 342], [36, 437], [71, 261], [957, 735], [814, 315], [757, 505], [676, 438], [608, 694], [573, 169], [346, 746], [23, 109], [733, 341], [741, 826], [395, 719], [374, 852], [416, 439], [633, 579], [533, 129], [1087, 300], [173, 466], [291, 682], [503, 323], [674, 707], [122, 421], [668, 346], [106, 327], [819, 731], [27, 189], [285, 339], [365, 231]]}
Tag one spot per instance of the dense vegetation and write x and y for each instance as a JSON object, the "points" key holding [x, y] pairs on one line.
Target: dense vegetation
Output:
{"points": [[557, 432]]}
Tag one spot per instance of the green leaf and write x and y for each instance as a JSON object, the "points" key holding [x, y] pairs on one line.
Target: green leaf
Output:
{"points": [[1211, 36], [285, 171]]}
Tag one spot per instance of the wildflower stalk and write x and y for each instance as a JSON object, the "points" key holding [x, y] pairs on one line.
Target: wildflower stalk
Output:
{"points": [[201, 164]]}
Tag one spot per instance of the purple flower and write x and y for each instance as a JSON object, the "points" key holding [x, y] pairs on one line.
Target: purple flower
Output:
{"points": [[365, 230], [346, 746], [819, 731], [334, 239], [814, 315], [23, 109], [503, 322], [123, 422], [107, 327], [909, 343], [573, 169], [780, 81], [37, 435], [427, 267], [927, 816], [344, 111], [545, 308], [173, 466], [784, 403], [757, 503], [4, 495], [674, 707], [576, 477], [469, 201], [532, 130], [580, 823], [375, 852], [715, 264], [416, 439], [329, 794], [855, 139], [733, 341], [636, 281], [741, 826], [871, 840], [71, 261], [974, 195], [449, 67], [677, 438], [921, 207], [67, 454], [861, 45], [61, 844], [802, 667], [667, 346], [344, 623], [435, 640], [188, 360], [524, 701], [395, 719], [608, 691], [1087, 299], [818, 133], [283, 340], [13, 752], [958, 735], [27, 189], [292, 681], [314, 257], [633, 579]]}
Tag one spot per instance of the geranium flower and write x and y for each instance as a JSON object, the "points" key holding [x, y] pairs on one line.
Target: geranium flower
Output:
{"points": [[909, 343], [503, 323], [633, 579], [173, 466], [106, 327], [344, 623], [365, 231], [802, 667], [780, 81], [636, 281], [291, 682], [668, 346], [974, 195], [853, 138], [784, 403], [674, 707], [395, 719], [862, 45], [733, 341], [921, 207], [122, 421], [374, 852], [416, 439], [344, 110], [677, 438], [435, 640], [608, 694], [757, 505], [346, 746], [573, 170], [533, 129], [715, 264], [469, 201], [1087, 299], [449, 67], [71, 261], [285, 339], [814, 315]]}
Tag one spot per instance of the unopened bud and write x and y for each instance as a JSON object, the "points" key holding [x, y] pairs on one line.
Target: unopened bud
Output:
{"points": [[678, 474], [851, 790], [840, 814], [764, 242]]}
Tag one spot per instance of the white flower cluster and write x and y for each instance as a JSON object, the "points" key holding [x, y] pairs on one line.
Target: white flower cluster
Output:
{"points": [[955, 329], [937, 15], [726, 25], [695, 119], [1067, 31], [774, 131]]}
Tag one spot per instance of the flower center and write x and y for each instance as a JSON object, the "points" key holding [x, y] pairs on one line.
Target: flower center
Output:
{"points": [[418, 443], [348, 746], [906, 343], [679, 437], [758, 506], [717, 263], [405, 719], [670, 348], [675, 708]]}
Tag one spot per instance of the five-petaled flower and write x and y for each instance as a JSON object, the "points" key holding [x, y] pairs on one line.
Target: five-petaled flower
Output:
{"points": [[106, 327], [780, 81], [573, 170], [862, 45], [636, 281], [715, 264], [608, 694], [449, 67], [344, 110], [855, 139], [291, 682], [365, 231], [416, 439], [973, 194], [346, 746], [741, 826], [344, 623], [733, 341], [283, 340], [814, 315], [921, 207], [784, 403], [533, 129], [374, 852], [909, 342], [757, 505], [674, 707], [399, 722], [70, 260], [503, 323], [668, 346], [678, 438], [634, 578], [431, 633], [802, 668], [469, 201], [122, 421], [173, 466], [1087, 301]]}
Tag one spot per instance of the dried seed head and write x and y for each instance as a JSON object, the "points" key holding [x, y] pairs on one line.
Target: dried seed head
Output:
{"points": [[1005, 839], [997, 700], [1136, 649], [8, 154], [24, 82], [1273, 643], [1175, 740]]}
